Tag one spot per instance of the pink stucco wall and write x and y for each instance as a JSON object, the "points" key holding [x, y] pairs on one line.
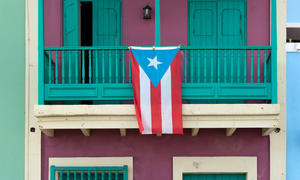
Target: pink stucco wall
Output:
{"points": [[53, 22], [153, 155], [140, 32], [258, 22], [137, 31]]}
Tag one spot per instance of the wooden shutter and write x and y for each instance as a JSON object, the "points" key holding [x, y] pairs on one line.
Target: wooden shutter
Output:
{"points": [[71, 22], [107, 22]]}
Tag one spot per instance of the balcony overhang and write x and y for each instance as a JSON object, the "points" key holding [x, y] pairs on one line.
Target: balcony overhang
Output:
{"points": [[195, 116]]}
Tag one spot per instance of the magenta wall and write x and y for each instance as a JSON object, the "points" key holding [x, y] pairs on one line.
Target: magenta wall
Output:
{"points": [[153, 155], [137, 31], [53, 22], [140, 32], [258, 22]]}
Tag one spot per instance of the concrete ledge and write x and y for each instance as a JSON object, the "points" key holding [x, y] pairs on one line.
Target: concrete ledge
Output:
{"points": [[123, 116]]}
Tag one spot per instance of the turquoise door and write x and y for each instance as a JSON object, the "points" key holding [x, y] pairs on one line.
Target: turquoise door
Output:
{"points": [[71, 22], [215, 24], [214, 176], [107, 31], [70, 38], [107, 23]]}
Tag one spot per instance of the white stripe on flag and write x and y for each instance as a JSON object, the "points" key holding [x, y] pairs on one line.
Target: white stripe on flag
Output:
{"points": [[166, 103], [145, 98]]}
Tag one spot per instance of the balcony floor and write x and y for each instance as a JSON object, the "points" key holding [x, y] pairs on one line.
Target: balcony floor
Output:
{"points": [[195, 116]]}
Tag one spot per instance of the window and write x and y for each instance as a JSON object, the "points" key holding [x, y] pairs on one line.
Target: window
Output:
{"points": [[104, 168], [85, 173]]}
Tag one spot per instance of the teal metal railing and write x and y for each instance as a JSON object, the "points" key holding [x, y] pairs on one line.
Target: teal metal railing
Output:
{"points": [[87, 65], [227, 65], [89, 173], [210, 73]]}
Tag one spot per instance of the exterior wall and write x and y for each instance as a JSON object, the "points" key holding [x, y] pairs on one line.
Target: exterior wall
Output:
{"points": [[12, 90], [152, 155], [293, 100], [140, 32], [33, 140], [293, 15], [293, 114], [53, 22]]}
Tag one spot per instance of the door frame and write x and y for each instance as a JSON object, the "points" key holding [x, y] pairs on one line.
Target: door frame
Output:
{"points": [[219, 164]]}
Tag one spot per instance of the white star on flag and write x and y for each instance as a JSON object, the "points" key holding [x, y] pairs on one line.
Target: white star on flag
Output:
{"points": [[154, 62]]}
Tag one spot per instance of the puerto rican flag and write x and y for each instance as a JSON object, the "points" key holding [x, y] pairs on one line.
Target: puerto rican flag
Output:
{"points": [[156, 82]]}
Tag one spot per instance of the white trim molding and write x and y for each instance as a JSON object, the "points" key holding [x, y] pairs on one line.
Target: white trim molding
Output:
{"points": [[293, 25], [94, 161], [292, 47], [123, 116], [200, 165]]}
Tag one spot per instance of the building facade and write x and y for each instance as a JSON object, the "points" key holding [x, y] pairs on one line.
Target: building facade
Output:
{"points": [[293, 55], [81, 121], [12, 105]]}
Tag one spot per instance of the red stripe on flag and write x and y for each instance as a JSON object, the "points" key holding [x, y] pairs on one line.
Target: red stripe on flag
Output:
{"points": [[176, 95], [136, 90], [156, 109]]}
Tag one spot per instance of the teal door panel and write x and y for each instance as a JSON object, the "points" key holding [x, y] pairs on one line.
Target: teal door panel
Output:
{"points": [[107, 31], [202, 23], [218, 24], [231, 23], [70, 22], [231, 33], [214, 176], [70, 38], [203, 33], [107, 23]]}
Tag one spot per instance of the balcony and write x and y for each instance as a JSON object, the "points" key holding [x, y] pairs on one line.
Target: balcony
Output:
{"points": [[85, 82], [102, 75]]}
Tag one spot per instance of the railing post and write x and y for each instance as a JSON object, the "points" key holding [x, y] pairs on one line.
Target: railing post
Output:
{"points": [[157, 22], [41, 56], [274, 51]]}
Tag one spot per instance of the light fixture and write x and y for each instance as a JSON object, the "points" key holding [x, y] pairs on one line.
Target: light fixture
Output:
{"points": [[147, 12]]}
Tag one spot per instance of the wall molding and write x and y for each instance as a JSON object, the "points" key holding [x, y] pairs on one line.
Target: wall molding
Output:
{"points": [[231, 164]]}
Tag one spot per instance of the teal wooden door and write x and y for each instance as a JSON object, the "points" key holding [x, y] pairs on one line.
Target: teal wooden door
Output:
{"points": [[107, 31], [231, 34], [203, 32], [231, 23], [214, 176], [107, 23], [216, 24], [202, 23], [70, 38], [71, 22]]}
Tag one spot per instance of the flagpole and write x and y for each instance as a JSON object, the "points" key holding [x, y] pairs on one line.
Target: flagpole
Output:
{"points": [[157, 23]]}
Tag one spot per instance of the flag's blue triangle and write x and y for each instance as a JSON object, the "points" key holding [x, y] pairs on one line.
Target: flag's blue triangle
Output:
{"points": [[154, 62]]}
